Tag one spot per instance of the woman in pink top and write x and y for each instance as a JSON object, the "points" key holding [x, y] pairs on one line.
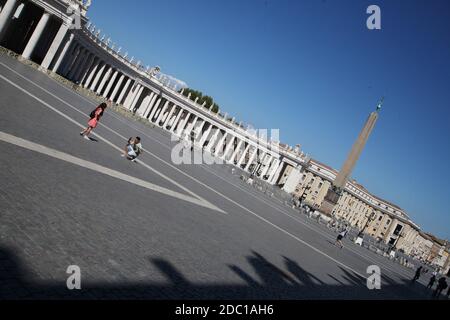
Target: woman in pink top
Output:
{"points": [[95, 116]]}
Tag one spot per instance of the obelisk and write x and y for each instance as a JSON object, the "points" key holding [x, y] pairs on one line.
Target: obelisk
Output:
{"points": [[341, 179]]}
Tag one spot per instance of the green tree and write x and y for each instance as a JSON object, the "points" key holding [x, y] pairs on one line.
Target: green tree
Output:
{"points": [[201, 98]]}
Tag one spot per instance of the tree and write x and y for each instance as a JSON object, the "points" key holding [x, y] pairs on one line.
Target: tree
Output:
{"points": [[201, 98]]}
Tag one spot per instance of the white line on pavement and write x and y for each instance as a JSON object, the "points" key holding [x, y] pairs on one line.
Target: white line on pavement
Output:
{"points": [[96, 167], [309, 226], [210, 205], [225, 197], [111, 130], [306, 224]]}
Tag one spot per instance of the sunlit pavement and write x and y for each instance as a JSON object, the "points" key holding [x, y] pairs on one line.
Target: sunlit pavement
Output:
{"points": [[151, 229]]}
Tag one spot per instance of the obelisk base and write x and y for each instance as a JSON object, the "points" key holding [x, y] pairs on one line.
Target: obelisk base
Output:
{"points": [[331, 199]]}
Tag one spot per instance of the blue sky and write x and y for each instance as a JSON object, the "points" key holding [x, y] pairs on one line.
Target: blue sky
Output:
{"points": [[313, 70]]}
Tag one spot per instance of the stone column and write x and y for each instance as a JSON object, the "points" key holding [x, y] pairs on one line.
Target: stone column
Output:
{"points": [[220, 144], [241, 160], [110, 83], [36, 35], [250, 160], [235, 153], [205, 135], [117, 87], [68, 62], [143, 110], [158, 113], [131, 94], [105, 78], [183, 124], [191, 126], [213, 140], [276, 173], [124, 90], [152, 114], [62, 31], [76, 64], [175, 122], [85, 65], [200, 129], [6, 15], [172, 110], [151, 103], [144, 104], [266, 165], [81, 66], [73, 62], [164, 108], [90, 77], [63, 53], [136, 99], [188, 130], [86, 69], [97, 76], [228, 147]]}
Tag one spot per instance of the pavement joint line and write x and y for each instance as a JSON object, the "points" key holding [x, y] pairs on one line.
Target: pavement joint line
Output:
{"points": [[100, 137], [309, 226], [253, 195], [207, 203], [115, 132], [26, 144], [225, 197]]}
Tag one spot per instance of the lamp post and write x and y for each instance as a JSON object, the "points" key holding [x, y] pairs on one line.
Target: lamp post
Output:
{"points": [[359, 238]]}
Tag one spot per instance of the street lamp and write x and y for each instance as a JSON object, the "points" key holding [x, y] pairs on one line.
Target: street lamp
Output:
{"points": [[359, 238]]}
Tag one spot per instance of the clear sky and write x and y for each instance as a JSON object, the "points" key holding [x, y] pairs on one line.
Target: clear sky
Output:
{"points": [[314, 70]]}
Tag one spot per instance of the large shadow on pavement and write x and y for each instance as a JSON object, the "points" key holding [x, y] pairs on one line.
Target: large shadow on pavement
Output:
{"points": [[263, 280]]}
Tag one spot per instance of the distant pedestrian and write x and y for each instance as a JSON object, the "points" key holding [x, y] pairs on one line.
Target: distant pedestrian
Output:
{"points": [[442, 284], [418, 272], [432, 280], [94, 118], [340, 237]]}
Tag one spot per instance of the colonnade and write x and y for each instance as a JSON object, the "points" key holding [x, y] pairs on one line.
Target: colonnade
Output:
{"points": [[80, 57]]}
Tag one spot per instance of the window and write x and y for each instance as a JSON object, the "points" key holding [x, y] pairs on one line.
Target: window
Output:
{"points": [[388, 221], [320, 185], [380, 217], [398, 229]]}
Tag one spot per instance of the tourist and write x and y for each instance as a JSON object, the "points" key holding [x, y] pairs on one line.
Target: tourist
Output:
{"points": [[418, 272], [340, 237], [442, 284], [432, 280], [94, 116], [133, 148], [126, 149]]}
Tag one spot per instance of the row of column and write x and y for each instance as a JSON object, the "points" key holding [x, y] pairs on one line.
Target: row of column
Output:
{"points": [[76, 62], [85, 68], [187, 125], [71, 58], [6, 17]]}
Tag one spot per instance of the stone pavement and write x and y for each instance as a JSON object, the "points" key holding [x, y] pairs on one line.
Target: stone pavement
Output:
{"points": [[134, 242]]}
